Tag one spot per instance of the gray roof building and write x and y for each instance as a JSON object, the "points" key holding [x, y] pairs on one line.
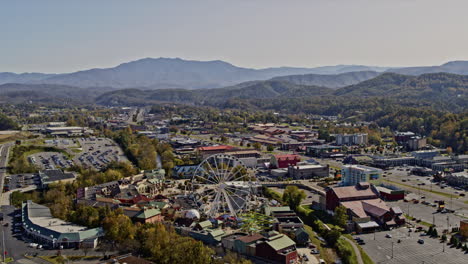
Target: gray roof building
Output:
{"points": [[39, 223]]}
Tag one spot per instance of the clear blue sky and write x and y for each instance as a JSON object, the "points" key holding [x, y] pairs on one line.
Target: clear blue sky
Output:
{"points": [[65, 36]]}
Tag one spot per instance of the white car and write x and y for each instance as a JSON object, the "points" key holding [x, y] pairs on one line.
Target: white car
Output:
{"points": [[388, 236], [33, 245]]}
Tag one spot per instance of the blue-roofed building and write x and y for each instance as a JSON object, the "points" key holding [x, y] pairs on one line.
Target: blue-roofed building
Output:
{"points": [[184, 171], [42, 227]]}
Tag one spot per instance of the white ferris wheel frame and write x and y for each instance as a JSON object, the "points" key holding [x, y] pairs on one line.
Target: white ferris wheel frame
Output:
{"points": [[216, 181]]}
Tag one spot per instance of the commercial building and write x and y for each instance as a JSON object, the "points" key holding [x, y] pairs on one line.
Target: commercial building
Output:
{"points": [[403, 137], [211, 150], [464, 228], [39, 224], [277, 248], [284, 160], [425, 154], [68, 131], [366, 211], [354, 174], [416, 143], [324, 151], [244, 153], [351, 139], [308, 171], [390, 193], [49, 176], [385, 162]]}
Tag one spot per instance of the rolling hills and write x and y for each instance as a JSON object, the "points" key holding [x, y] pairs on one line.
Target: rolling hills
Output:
{"points": [[440, 88]]}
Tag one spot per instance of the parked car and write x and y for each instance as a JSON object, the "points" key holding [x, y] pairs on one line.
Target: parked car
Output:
{"points": [[388, 236], [421, 241]]}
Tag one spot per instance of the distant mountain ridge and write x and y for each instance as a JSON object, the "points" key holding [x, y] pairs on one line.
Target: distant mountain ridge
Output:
{"points": [[454, 67], [173, 73], [330, 81]]}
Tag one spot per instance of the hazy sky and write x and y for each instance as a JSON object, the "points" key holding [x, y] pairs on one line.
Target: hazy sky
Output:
{"points": [[65, 36]]}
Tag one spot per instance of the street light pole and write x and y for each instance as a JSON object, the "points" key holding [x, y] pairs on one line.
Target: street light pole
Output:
{"points": [[3, 243], [448, 224], [392, 249]]}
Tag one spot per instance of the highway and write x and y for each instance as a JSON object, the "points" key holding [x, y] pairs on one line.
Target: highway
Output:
{"points": [[4, 151]]}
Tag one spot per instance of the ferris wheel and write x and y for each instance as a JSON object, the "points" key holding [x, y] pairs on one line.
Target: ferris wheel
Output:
{"points": [[221, 184]]}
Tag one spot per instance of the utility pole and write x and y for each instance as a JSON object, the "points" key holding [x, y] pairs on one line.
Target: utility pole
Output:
{"points": [[408, 209], [451, 198], [374, 234], [392, 249], [448, 224], [433, 220], [3, 243], [443, 246]]}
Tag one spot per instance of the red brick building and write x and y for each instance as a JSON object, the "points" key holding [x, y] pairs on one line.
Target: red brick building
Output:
{"points": [[278, 248], [284, 160], [211, 150], [335, 196]]}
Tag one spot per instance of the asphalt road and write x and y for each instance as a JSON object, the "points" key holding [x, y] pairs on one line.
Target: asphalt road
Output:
{"points": [[4, 150]]}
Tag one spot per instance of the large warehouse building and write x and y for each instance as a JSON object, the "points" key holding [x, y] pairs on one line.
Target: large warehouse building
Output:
{"points": [[39, 224]]}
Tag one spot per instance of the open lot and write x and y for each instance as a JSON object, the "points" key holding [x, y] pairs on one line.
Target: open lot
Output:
{"points": [[98, 152], [409, 251]]}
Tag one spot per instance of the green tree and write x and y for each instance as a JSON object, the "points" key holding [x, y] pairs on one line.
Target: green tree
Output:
{"points": [[118, 227], [270, 148], [293, 196], [341, 216], [257, 146], [444, 238], [332, 236]]}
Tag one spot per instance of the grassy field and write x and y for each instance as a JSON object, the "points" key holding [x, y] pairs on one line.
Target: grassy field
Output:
{"points": [[349, 247]]}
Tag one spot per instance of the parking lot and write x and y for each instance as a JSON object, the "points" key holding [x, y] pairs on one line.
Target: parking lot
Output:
{"points": [[50, 160], [62, 143], [409, 250], [98, 152], [429, 214], [18, 181]]}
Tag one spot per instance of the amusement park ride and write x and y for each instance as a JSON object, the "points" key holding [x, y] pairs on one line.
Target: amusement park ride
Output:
{"points": [[223, 185]]}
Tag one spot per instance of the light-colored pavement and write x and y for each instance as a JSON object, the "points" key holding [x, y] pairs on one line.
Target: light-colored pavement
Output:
{"points": [[311, 259], [409, 251]]}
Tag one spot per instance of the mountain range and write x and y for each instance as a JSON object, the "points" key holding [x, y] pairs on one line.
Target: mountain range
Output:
{"points": [[176, 73], [167, 73], [450, 89]]}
